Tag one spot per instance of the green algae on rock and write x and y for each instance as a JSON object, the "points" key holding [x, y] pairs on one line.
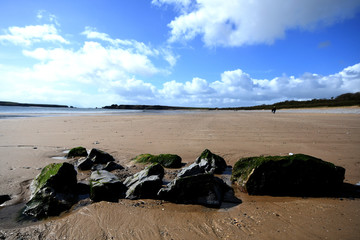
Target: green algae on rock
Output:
{"points": [[53, 191], [77, 152], [166, 160], [214, 163], [297, 175]]}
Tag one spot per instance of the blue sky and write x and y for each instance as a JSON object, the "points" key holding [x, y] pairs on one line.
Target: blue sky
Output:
{"points": [[207, 53]]}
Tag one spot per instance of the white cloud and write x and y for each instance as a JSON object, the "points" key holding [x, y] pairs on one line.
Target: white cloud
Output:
{"points": [[31, 34], [133, 46], [237, 88], [239, 22]]}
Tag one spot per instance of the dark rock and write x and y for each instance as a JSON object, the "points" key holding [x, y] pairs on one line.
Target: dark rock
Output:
{"points": [[203, 189], [154, 169], [211, 162], [146, 183], [77, 152], [105, 186], [191, 170], [83, 188], [145, 188], [4, 198], [100, 157], [54, 190], [207, 162], [166, 160], [297, 175], [85, 164], [110, 166]]}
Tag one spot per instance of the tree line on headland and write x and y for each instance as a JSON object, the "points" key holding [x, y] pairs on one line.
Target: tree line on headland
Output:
{"points": [[344, 100], [15, 104]]}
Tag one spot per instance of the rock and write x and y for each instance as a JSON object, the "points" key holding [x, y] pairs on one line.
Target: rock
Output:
{"points": [[166, 160], [146, 183], [53, 191], [207, 162], [105, 186], [191, 170], [98, 160], [83, 188], [110, 166], [85, 164], [147, 187], [296, 175], [4, 198], [154, 169], [212, 163], [203, 189], [77, 152], [100, 157]]}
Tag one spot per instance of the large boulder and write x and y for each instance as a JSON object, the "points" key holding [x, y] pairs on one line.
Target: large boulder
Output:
{"points": [[207, 162], [146, 183], [77, 152], [166, 160], [105, 186], [203, 189], [298, 175], [53, 191]]}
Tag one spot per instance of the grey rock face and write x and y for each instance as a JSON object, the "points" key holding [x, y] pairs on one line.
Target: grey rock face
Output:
{"points": [[105, 186]]}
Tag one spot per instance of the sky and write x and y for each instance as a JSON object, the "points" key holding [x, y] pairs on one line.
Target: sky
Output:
{"points": [[196, 53]]}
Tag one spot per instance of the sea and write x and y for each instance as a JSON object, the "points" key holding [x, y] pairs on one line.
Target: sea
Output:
{"points": [[26, 112]]}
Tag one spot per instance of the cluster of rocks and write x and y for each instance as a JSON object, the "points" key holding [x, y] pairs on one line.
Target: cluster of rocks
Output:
{"points": [[56, 188]]}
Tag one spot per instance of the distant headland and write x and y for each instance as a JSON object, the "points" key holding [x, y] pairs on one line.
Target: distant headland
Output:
{"points": [[15, 104], [344, 100]]}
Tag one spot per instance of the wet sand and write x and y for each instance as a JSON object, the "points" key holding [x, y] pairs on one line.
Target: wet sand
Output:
{"points": [[27, 145]]}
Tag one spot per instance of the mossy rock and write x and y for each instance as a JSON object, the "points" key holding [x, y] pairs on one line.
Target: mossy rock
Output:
{"points": [[166, 160], [60, 176], [211, 162], [298, 175], [54, 190], [77, 152]]}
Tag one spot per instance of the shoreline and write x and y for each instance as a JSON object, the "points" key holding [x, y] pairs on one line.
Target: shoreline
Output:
{"points": [[27, 145], [76, 112]]}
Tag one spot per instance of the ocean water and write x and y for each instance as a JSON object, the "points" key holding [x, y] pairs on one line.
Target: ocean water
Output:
{"points": [[23, 112]]}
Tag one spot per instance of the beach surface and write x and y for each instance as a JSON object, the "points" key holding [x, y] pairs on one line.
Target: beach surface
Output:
{"points": [[29, 144]]}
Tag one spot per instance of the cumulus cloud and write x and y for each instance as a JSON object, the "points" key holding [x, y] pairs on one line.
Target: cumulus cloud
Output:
{"points": [[239, 22], [31, 34], [133, 45], [237, 88]]}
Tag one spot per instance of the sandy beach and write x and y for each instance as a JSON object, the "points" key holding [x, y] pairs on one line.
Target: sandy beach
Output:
{"points": [[28, 144]]}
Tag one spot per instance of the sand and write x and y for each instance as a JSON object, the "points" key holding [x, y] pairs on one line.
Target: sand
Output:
{"points": [[27, 145]]}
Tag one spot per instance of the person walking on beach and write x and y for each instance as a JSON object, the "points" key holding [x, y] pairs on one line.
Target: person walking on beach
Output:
{"points": [[273, 110]]}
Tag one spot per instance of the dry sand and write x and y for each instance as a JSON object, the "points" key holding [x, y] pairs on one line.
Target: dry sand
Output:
{"points": [[27, 145]]}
